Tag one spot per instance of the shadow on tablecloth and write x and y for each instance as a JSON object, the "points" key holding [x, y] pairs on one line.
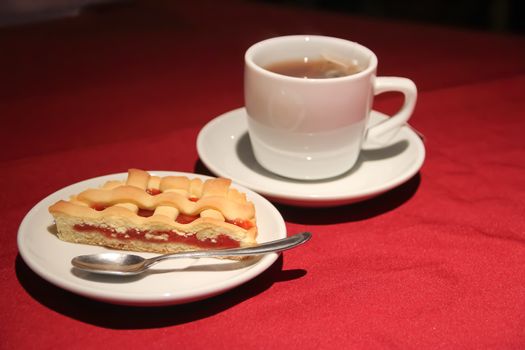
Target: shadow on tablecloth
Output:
{"points": [[352, 212], [131, 317]]}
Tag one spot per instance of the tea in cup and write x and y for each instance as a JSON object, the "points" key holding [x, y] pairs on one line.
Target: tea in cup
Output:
{"points": [[308, 99]]}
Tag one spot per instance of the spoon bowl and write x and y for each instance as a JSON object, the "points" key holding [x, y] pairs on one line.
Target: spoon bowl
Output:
{"points": [[123, 264]]}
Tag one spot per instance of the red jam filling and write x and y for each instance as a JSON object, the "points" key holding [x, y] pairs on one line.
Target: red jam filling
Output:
{"points": [[153, 191], [245, 224], [185, 218], [221, 241], [98, 207], [145, 212]]}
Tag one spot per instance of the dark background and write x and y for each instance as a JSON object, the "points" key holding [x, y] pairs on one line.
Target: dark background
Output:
{"points": [[506, 16]]}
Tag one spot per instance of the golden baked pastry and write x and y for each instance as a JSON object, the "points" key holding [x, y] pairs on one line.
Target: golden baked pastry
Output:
{"points": [[158, 214]]}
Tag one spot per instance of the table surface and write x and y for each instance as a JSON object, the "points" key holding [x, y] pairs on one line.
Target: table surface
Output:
{"points": [[438, 262]]}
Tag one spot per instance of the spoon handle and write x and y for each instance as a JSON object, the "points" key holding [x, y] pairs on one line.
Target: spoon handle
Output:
{"points": [[263, 248]]}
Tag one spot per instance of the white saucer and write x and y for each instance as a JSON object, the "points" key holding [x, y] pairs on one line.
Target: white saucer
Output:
{"points": [[224, 147], [172, 282]]}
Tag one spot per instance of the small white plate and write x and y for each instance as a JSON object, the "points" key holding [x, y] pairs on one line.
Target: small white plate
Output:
{"points": [[224, 147], [172, 282]]}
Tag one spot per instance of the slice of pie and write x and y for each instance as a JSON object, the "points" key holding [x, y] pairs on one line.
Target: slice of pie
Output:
{"points": [[158, 214]]}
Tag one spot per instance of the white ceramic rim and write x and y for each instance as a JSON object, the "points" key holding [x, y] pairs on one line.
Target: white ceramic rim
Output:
{"points": [[370, 69]]}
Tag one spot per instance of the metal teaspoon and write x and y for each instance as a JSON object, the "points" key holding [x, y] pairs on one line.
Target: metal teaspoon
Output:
{"points": [[129, 264]]}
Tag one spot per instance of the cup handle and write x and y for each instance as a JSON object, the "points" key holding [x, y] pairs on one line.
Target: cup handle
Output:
{"points": [[383, 132]]}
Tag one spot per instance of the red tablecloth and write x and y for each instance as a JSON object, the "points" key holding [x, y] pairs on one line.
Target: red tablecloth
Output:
{"points": [[438, 262]]}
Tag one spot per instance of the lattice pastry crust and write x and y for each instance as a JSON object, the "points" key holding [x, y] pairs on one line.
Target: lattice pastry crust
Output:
{"points": [[158, 214]]}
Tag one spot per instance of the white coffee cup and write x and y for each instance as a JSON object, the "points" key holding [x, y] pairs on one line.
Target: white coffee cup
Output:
{"points": [[313, 129]]}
